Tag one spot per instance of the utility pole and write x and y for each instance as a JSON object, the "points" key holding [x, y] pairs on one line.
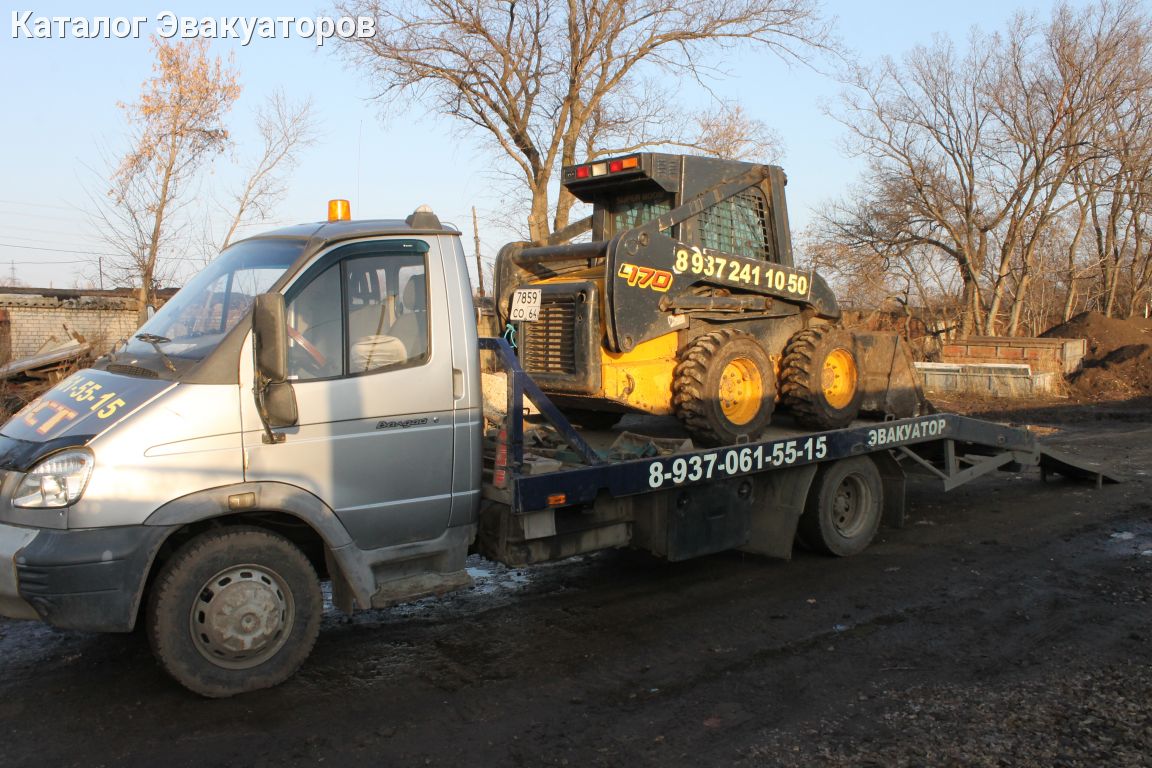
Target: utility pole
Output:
{"points": [[479, 266]]}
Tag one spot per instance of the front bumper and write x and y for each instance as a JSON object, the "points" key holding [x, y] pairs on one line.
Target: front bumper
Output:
{"points": [[89, 579], [12, 541]]}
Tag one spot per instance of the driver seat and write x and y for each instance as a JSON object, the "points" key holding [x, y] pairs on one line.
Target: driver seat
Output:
{"points": [[411, 327]]}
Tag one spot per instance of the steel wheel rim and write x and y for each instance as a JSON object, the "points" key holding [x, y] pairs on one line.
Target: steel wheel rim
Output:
{"points": [[850, 506], [741, 391], [241, 617], [838, 379]]}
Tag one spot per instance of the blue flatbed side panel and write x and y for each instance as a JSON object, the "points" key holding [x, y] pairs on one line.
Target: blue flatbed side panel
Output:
{"points": [[581, 485]]}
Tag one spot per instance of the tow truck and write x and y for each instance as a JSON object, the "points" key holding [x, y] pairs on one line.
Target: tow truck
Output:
{"points": [[310, 408]]}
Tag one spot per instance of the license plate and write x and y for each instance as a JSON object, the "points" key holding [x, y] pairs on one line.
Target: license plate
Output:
{"points": [[526, 305]]}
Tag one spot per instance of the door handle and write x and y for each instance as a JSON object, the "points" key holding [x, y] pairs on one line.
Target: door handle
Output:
{"points": [[457, 384]]}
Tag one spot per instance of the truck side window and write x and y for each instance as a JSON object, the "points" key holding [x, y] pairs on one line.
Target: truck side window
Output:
{"points": [[360, 314], [738, 226], [316, 329], [390, 329]]}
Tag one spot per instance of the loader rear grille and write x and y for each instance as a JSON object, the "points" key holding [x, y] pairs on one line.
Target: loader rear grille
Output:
{"points": [[549, 344]]}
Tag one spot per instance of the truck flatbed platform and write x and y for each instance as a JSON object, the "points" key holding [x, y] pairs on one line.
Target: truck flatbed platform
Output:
{"points": [[772, 475]]}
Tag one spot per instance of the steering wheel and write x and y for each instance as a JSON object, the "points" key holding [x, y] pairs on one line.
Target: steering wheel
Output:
{"points": [[317, 356]]}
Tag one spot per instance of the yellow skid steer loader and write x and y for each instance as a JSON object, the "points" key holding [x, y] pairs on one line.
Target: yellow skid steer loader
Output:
{"points": [[686, 301]]}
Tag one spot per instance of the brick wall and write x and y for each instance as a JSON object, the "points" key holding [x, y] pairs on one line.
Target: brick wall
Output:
{"points": [[1061, 356], [34, 321]]}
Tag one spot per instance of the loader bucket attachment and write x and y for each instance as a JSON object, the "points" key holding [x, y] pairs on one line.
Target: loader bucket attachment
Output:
{"points": [[890, 383]]}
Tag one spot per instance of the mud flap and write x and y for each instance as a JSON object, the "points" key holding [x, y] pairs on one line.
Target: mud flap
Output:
{"points": [[708, 519], [781, 496], [894, 483], [697, 520]]}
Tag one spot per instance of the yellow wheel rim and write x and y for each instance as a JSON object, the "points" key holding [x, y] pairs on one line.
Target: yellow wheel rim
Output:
{"points": [[741, 391], [838, 380]]}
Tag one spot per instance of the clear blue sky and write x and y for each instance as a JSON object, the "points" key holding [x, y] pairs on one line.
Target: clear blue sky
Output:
{"points": [[61, 120]]}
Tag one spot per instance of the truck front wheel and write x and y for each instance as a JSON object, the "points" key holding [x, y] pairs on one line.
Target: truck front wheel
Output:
{"points": [[234, 610], [844, 507]]}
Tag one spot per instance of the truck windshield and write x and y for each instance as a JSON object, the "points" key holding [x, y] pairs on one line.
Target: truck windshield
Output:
{"points": [[194, 321]]}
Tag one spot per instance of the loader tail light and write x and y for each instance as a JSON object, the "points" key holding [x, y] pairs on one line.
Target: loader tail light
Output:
{"points": [[339, 210], [593, 170], [623, 164]]}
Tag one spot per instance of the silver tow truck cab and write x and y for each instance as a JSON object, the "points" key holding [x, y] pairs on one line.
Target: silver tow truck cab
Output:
{"points": [[208, 472]]}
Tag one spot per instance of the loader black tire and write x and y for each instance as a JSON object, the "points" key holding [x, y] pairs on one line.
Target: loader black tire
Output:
{"points": [[234, 610], [844, 508], [724, 388], [820, 378]]}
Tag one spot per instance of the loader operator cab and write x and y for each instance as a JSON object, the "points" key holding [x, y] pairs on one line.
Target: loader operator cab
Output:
{"points": [[628, 192]]}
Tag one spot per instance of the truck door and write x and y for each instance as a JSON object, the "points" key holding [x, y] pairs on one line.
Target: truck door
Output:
{"points": [[372, 375]]}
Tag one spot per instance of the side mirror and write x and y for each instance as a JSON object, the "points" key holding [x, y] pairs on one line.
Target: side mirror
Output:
{"points": [[278, 405], [275, 397], [270, 337]]}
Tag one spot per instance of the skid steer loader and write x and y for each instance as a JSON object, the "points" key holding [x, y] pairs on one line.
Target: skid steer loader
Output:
{"points": [[686, 301]]}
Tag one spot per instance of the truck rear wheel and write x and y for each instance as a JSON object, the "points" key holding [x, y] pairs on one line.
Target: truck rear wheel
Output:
{"points": [[234, 610], [724, 387], [844, 507], [820, 378]]}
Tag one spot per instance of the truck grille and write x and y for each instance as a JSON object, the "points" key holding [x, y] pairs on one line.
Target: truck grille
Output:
{"points": [[549, 344], [132, 370]]}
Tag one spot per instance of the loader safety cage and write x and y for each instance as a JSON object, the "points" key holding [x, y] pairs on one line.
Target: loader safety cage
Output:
{"points": [[954, 448]]}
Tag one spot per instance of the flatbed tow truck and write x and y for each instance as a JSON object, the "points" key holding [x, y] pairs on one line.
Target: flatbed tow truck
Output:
{"points": [[310, 408]]}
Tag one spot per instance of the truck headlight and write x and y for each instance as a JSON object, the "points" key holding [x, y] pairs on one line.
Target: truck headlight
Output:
{"points": [[56, 482]]}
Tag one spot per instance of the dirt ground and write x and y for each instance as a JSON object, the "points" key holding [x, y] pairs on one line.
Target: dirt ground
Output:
{"points": [[1007, 625]]}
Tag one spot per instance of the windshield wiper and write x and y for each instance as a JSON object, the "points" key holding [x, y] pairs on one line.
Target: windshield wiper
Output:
{"points": [[156, 340]]}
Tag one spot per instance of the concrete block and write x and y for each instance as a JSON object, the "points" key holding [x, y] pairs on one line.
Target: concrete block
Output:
{"points": [[989, 380]]}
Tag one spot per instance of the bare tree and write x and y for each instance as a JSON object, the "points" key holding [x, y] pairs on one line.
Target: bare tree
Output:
{"points": [[551, 82], [176, 126], [732, 134], [1107, 51], [285, 129], [979, 153], [1121, 210], [920, 124], [858, 246]]}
